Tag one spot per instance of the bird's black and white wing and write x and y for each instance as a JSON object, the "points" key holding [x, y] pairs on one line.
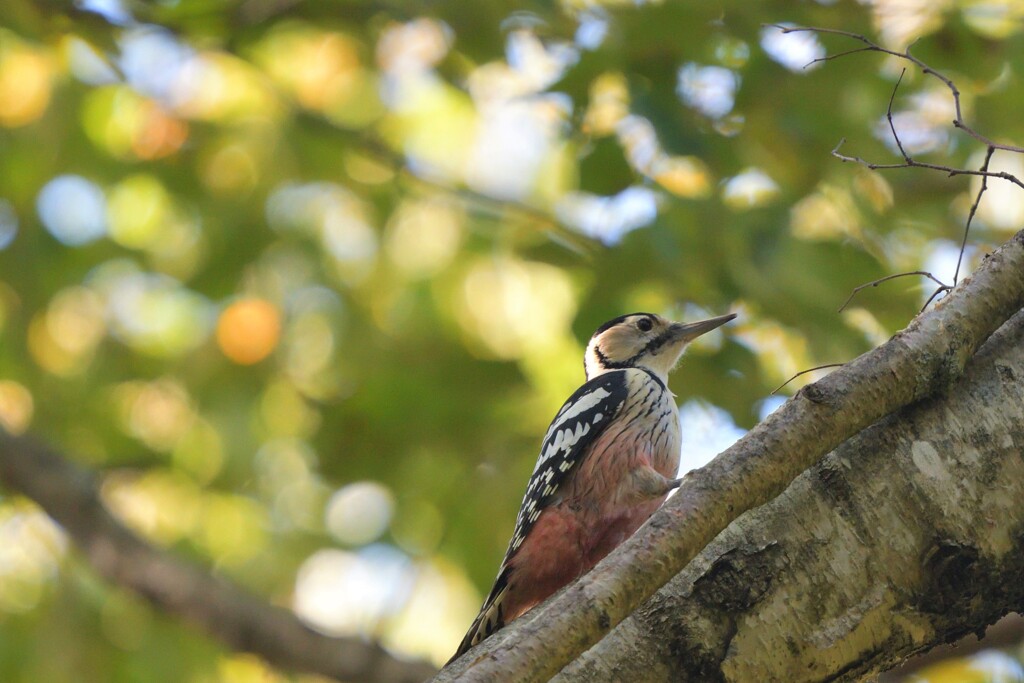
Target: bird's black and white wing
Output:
{"points": [[579, 422], [581, 419]]}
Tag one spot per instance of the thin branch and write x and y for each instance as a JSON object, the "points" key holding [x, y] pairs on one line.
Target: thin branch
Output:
{"points": [[914, 163], [829, 58], [875, 283], [939, 290], [804, 372], [892, 126], [974, 209], [871, 46], [237, 618]]}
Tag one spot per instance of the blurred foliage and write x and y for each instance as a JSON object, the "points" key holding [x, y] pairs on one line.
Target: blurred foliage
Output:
{"points": [[306, 281]]}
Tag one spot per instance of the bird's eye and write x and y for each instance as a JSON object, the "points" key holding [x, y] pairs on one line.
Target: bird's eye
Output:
{"points": [[644, 324]]}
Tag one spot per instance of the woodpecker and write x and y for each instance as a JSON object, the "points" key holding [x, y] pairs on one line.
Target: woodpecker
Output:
{"points": [[607, 462]]}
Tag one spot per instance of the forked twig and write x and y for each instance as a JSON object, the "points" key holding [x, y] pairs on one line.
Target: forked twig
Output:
{"points": [[874, 283], [909, 161], [974, 209], [871, 46]]}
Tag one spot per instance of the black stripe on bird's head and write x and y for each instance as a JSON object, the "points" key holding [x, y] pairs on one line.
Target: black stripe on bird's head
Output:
{"points": [[643, 340]]}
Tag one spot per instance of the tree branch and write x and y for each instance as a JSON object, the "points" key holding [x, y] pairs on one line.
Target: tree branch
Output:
{"points": [[871, 46], [240, 620], [925, 358], [908, 535]]}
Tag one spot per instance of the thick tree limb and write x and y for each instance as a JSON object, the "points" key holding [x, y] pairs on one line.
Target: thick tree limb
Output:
{"points": [[240, 620], [908, 535], [925, 358]]}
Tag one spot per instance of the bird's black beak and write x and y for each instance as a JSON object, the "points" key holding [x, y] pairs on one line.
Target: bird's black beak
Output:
{"points": [[687, 332]]}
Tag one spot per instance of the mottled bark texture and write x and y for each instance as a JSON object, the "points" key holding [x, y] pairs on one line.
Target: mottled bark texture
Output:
{"points": [[908, 535], [922, 361], [240, 620]]}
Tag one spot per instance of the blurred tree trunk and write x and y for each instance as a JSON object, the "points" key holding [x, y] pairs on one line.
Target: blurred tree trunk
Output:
{"points": [[908, 535], [241, 620]]}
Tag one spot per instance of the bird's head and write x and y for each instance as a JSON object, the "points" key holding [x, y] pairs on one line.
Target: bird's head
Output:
{"points": [[643, 340]]}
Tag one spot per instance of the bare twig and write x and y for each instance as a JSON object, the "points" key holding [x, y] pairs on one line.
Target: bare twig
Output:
{"points": [[914, 163], [804, 372], [940, 290], [871, 46], [237, 618], [974, 209], [875, 283], [888, 117]]}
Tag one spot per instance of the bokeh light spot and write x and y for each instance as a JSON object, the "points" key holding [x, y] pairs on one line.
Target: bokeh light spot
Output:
{"points": [[73, 209], [232, 168], [683, 176], [414, 46], [359, 513], [16, 406], [795, 51], [333, 214], [781, 351], [997, 19], [711, 90], [609, 218], [153, 313], [346, 593], [246, 668], [75, 319], [608, 104], [63, 341], [423, 236], [433, 619], [31, 547], [750, 189], [232, 528], [157, 413], [248, 330], [138, 209], [162, 505], [25, 82], [828, 214], [513, 307], [1002, 206]]}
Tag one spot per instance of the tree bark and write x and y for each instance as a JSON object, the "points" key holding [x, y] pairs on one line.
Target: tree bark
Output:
{"points": [[924, 359], [908, 535]]}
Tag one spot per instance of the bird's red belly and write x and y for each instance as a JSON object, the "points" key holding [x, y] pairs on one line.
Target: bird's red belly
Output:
{"points": [[561, 549], [605, 536], [552, 558]]}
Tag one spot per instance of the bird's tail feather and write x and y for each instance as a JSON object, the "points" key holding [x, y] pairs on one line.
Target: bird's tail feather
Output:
{"points": [[491, 617]]}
